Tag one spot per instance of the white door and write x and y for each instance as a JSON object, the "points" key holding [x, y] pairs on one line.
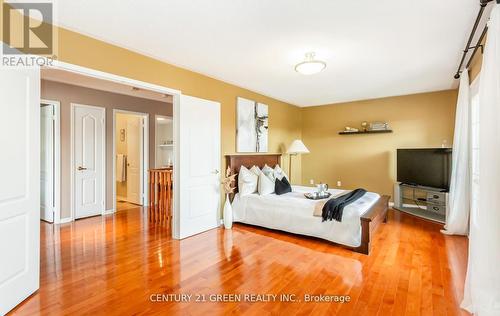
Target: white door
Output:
{"points": [[19, 185], [88, 160], [47, 155], [198, 165], [134, 158]]}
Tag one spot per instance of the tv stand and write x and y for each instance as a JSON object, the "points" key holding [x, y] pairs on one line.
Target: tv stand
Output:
{"points": [[424, 202]]}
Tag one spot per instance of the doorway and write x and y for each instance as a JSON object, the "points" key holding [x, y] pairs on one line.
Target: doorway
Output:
{"points": [[130, 148], [50, 161]]}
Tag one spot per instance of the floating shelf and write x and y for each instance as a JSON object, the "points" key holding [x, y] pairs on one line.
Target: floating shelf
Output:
{"points": [[365, 132], [166, 145]]}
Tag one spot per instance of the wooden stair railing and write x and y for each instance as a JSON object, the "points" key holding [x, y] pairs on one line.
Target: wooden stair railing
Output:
{"points": [[160, 196]]}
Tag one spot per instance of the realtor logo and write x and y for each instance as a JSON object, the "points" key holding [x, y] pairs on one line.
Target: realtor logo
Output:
{"points": [[27, 28]]}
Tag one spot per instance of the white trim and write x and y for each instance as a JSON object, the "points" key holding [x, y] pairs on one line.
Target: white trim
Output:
{"points": [[110, 211], [145, 155], [57, 157], [112, 77], [72, 154], [175, 175], [156, 135], [141, 84], [65, 220]]}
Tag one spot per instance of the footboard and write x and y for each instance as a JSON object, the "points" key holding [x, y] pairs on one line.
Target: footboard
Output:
{"points": [[370, 222]]}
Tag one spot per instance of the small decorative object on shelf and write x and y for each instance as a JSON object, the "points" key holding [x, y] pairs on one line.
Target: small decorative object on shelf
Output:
{"points": [[349, 129], [364, 126], [228, 211], [378, 126]]}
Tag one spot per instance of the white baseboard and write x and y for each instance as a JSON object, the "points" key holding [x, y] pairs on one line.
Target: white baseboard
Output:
{"points": [[65, 220], [121, 198], [110, 211]]}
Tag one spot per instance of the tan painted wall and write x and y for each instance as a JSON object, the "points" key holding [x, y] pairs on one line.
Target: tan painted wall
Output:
{"points": [[67, 94], [368, 161]]}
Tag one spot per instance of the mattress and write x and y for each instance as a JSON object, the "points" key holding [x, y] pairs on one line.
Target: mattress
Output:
{"points": [[292, 212]]}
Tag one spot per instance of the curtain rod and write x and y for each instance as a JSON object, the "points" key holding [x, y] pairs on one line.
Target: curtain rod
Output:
{"points": [[483, 4]]}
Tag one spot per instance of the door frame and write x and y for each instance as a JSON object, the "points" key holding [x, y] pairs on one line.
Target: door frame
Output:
{"points": [[176, 94], [145, 156], [156, 135], [57, 157], [73, 105]]}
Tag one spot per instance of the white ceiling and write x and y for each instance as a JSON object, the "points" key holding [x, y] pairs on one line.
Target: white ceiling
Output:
{"points": [[372, 48], [102, 85]]}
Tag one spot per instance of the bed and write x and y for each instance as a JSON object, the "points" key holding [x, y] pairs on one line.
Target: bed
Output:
{"points": [[293, 213]]}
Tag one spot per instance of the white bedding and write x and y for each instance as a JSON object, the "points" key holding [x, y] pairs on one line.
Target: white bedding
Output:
{"points": [[293, 213]]}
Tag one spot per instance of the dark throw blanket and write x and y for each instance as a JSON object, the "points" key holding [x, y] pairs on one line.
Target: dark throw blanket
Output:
{"points": [[334, 208]]}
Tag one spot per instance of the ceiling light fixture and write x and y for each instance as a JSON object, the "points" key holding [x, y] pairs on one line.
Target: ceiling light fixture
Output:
{"points": [[310, 66]]}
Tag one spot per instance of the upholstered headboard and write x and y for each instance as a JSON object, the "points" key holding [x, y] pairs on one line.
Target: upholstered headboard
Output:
{"points": [[234, 162]]}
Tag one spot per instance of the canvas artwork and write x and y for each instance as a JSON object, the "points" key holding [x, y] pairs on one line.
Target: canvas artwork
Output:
{"points": [[251, 126]]}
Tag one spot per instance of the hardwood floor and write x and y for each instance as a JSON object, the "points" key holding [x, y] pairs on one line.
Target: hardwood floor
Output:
{"points": [[114, 264], [123, 206]]}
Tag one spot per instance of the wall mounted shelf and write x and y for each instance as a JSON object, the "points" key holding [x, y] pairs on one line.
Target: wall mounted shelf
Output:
{"points": [[365, 132]]}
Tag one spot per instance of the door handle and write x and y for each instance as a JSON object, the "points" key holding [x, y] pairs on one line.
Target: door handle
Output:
{"points": [[80, 168], [215, 171]]}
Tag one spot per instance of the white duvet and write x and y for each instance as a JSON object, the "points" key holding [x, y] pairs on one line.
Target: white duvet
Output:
{"points": [[293, 213]]}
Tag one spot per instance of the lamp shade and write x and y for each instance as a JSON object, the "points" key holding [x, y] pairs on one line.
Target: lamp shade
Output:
{"points": [[297, 147]]}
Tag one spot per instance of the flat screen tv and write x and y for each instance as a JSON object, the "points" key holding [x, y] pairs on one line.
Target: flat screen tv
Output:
{"points": [[430, 167]]}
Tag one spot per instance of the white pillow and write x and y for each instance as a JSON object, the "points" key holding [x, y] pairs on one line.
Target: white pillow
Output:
{"points": [[279, 173], [266, 183], [248, 180], [268, 171]]}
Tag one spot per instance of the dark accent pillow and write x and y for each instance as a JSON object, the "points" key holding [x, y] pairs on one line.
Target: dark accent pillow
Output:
{"points": [[282, 186]]}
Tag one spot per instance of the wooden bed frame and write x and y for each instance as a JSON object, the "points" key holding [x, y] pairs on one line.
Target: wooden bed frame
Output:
{"points": [[370, 220]]}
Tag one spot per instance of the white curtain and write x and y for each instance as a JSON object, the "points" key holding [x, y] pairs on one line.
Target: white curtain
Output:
{"points": [[482, 285], [457, 219]]}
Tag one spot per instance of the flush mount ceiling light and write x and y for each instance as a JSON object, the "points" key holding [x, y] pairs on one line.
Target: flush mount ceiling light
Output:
{"points": [[310, 66]]}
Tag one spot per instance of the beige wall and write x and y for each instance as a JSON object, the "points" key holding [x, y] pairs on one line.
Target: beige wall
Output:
{"points": [[368, 161], [67, 94]]}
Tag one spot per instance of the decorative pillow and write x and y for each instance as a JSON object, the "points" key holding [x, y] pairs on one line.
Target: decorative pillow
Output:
{"points": [[282, 186], [269, 172], [255, 170], [279, 173], [266, 183], [248, 180]]}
